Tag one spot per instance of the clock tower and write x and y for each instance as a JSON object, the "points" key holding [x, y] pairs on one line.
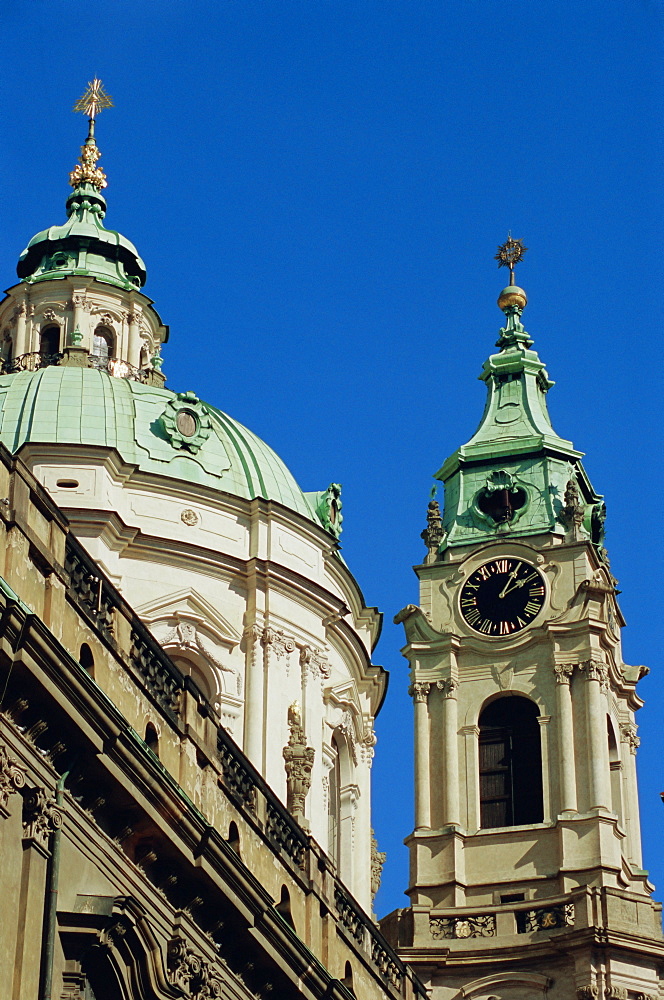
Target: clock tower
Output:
{"points": [[526, 877]]}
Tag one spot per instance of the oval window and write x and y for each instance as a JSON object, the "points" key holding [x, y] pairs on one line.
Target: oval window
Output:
{"points": [[186, 423]]}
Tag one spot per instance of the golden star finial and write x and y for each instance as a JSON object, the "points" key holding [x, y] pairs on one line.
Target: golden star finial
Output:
{"points": [[509, 254], [93, 101]]}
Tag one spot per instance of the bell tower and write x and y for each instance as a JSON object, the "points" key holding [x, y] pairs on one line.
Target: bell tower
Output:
{"points": [[525, 863]]}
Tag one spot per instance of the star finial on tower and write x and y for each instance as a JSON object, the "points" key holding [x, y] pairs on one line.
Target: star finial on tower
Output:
{"points": [[93, 101], [509, 254]]}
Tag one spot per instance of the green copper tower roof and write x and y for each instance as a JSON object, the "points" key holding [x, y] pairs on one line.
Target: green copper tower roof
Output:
{"points": [[515, 475], [83, 246]]}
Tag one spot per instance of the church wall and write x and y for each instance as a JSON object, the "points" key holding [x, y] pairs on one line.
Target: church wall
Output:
{"points": [[134, 848]]}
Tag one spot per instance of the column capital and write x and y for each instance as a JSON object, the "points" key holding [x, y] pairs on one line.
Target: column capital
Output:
{"points": [[448, 687], [563, 672], [595, 670], [628, 735], [419, 691], [41, 818], [12, 778]]}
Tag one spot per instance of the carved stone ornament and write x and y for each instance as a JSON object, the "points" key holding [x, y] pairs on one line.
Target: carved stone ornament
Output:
{"points": [[573, 511], [191, 973], [186, 637], [313, 662], [616, 993], [448, 688], [628, 735], [483, 925], [189, 517], [419, 691], [299, 760], [563, 672], [434, 533], [378, 859], [41, 817], [278, 641], [186, 421], [12, 777], [589, 992], [367, 744], [595, 670]]}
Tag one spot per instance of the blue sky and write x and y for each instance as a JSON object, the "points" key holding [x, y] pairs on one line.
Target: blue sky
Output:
{"points": [[318, 189]]}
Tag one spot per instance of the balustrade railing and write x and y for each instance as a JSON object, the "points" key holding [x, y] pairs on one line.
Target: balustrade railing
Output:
{"points": [[35, 360], [31, 362], [519, 918], [284, 832], [163, 679], [89, 588], [117, 368]]}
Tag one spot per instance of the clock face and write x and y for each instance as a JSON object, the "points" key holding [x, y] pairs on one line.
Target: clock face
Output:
{"points": [[502, 597]]}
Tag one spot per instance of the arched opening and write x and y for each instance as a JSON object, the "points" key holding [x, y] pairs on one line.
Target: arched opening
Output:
{"points": [[233, 839], [152, 738], [103, 346], [86, 659], [49, 342], [510, 757], [347, 981], [189, 668], [615, 766], [283, 907], [334, 803], [7, 349]]}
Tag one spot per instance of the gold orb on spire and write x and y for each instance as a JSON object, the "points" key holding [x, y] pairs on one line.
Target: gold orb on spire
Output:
{"points": [[509, 254]]}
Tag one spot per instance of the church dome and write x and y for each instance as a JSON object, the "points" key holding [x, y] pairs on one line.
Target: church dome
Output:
{"points": [[159, 431]]}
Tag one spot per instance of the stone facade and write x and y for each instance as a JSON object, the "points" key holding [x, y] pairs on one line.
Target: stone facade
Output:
{"points": [[170, 866]]}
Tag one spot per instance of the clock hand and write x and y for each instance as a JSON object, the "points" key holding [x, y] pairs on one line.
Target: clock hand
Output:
{"points": [[506, 589]]}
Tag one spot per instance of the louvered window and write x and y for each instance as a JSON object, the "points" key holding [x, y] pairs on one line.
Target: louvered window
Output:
{"points": [[510, 764]]}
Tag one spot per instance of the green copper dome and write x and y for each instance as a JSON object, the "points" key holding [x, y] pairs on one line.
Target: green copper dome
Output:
{"points": [[159, 431]]}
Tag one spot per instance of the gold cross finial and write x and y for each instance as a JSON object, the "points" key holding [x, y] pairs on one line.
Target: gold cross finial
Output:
{"points": [[94, 100], [509, 254]]}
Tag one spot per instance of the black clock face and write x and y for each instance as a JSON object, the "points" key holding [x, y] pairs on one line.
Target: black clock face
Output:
{"points": [[502, 597]]}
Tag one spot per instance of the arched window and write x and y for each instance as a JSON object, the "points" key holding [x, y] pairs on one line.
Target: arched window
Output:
{"points": [[334, 803], [283, 907], [152, 738], [348, 978], [510, 764], [615, 765], [49, 341], [103, 344], [233, 839], [86, 659]]}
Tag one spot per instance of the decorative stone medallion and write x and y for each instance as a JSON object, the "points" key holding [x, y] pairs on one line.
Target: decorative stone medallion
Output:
{"points": [[187, 423]]}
